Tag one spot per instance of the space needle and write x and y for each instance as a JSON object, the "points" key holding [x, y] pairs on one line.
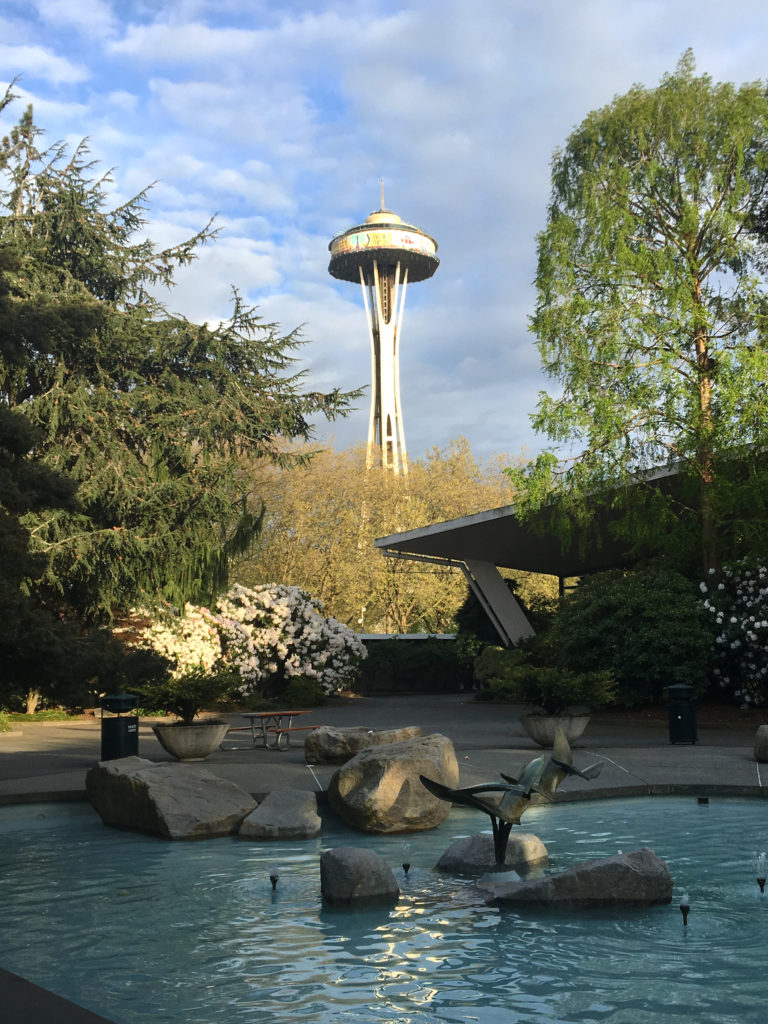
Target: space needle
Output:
{"points": [[383, 254]]}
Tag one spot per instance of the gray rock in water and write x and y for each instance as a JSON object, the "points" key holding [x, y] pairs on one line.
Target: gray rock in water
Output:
{"points": [[761, 744], [176, 801], [379, 789], [639, 878], [350, 875], [327, 745], [475, 855], [284, 814]]}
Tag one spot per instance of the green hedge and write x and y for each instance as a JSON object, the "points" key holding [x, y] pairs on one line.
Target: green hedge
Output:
{"points": [[399, 665]]}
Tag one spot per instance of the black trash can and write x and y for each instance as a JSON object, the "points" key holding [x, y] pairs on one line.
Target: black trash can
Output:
{"points": [[120, 728], [682, 714]]}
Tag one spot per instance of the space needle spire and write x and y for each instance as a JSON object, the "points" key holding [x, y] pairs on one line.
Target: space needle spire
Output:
{"points": [[383, 254]]}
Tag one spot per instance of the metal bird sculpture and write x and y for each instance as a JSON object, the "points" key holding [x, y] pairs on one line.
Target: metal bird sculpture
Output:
{"points": [[504, 812], [505, 802]]}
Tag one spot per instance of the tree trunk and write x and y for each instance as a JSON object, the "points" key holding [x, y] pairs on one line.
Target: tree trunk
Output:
{"points": [[709, 547], [33, 700]]}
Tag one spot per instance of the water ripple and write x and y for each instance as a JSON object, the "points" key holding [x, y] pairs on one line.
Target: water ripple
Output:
{"points": [[143, 930]]}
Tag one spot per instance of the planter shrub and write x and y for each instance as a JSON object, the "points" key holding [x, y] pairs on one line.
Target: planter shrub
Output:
{"points": [[506, 675]]}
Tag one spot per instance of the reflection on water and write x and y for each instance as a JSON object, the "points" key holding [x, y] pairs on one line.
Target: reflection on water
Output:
{"points": [[143, 930]]}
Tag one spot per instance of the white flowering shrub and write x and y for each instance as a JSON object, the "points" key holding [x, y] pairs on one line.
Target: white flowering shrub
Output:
{"points": [[190, 641], [737, 599], [275, 632]]}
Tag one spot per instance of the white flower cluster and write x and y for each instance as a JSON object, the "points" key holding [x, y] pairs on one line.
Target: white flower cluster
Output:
{"points": [[190, 641], [738, 600], [279, 630]]}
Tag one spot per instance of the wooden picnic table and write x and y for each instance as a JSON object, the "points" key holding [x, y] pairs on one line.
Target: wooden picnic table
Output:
{"points": [[275, 726]]}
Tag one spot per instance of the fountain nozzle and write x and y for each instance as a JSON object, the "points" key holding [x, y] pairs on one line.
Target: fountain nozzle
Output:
{"points": [[273, 879], [760, 865], [406, 868], [685, 907]]}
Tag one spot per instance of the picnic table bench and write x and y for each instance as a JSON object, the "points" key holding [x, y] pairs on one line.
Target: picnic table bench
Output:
{"points": [[269, 728]]}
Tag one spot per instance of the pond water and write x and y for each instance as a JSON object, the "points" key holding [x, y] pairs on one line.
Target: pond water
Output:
{"points": [[144, 930]]}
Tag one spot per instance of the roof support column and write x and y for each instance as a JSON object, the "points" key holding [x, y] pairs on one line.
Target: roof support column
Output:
{"points": [[497, 601]]}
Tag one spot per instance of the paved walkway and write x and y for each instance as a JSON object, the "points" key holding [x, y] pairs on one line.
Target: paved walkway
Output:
{"points": [[43, 762], [50, 760]]}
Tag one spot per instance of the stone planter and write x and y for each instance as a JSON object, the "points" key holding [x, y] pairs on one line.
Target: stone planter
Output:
{"points": [[541, 728], [191, 742]]}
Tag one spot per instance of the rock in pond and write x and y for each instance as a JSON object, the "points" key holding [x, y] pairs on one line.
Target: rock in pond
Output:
{"points": [[327, 745], [474, 855], [284, 814], [379, 789], [639, 878], [761, 744], [351, 875], [176, 801]]}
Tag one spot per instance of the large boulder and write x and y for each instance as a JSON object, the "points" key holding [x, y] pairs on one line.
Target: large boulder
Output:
{"points": [[176, 801], [284, 814], [349, 875], [761, 744], [379, 789], [639, 878], [327, 745], [474, 855]]}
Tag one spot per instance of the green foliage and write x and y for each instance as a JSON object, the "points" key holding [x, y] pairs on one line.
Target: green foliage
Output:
{"points": [[508, 675], [185, 695], [652, 311], [302, 692], [647, 627], [536, 594], [154, 419], [413, 666], [5, 722]]}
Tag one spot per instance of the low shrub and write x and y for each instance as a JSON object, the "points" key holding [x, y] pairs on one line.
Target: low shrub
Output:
{"points": [[416, 666], [302, 692], [507, 675]]}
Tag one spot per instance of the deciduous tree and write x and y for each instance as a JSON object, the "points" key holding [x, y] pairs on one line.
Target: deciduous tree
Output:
{"points": [[321, 521], [651, 310]]}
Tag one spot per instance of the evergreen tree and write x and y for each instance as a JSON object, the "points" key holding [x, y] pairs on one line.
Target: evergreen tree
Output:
{"points": [[651, 312], [151, 416]]}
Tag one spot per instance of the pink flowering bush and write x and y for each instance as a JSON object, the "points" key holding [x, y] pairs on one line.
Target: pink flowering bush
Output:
{"points": [[737, 600], [275, 632]]}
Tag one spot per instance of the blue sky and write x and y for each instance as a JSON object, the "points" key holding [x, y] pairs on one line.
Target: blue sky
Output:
{"points": [[280, 117]]}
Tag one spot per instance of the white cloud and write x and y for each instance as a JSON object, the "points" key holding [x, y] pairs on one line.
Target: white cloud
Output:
{"points": [[283, 116], [93, 17], [167, 41], [39, 62]]}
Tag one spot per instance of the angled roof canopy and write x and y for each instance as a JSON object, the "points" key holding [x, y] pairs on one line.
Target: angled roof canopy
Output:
{"points": [[499, 537]]}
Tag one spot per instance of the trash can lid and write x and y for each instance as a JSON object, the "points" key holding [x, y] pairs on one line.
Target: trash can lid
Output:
{"points": [[120, 702], [679, 691]]}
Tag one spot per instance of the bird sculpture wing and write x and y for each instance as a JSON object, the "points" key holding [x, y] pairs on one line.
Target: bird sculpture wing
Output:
{"points": [[509, 808], [529, 776], [561, 765]]}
